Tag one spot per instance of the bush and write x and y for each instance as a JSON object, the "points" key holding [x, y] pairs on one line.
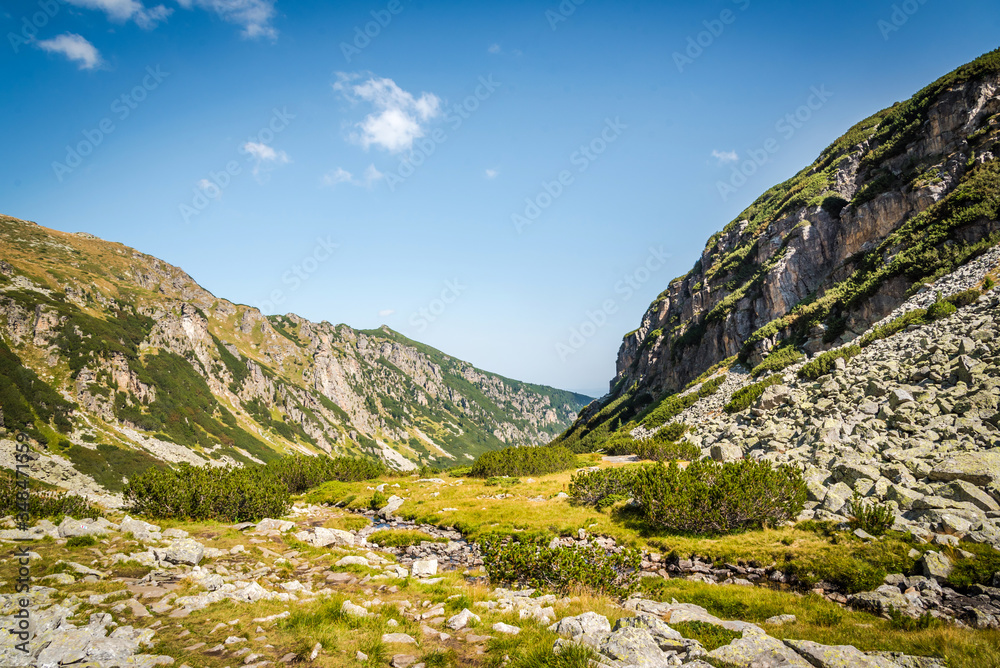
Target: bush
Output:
{"points": [[745, 397], [302, 472], [824, 363], [712, 498], [666, 451], [914, 317], [940, 309], [42, 502], [602, 488], [226, 494], [778, 359], [561, 569], [81, 541], [978, 569], [873, 517], [523, 461], [378, 501], [964, 298]]}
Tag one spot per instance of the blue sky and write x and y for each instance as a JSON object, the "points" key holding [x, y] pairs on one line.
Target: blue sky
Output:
{"points": [[511, 182]]}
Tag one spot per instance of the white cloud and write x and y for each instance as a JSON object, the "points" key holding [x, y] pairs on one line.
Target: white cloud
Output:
{"points": [[341, 175], [399, 117], [386, 312], [74, 47], [491, 173], [254, 16], [725, 156], [264, 156], [121, 11], [494, 48]]}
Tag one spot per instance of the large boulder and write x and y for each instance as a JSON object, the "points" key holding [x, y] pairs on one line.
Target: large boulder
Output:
{"points": [[774, 396], [936, 566], [980, 468], [70, 528], [756, 650], [268, 524], [143, 531], [392, 506], [589, 623], [321, 537], [183, 551], [424, 568]]}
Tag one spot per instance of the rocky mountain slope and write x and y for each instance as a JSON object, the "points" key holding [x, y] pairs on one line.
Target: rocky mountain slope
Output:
{"points": [[116, 360], [903, 197]]}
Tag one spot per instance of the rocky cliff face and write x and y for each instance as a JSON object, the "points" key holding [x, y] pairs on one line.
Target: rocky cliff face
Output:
{"points": [[104, 347], [817, 259]]}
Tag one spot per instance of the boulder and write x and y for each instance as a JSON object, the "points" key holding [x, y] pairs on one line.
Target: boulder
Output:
{"points": [[633, 645], [936, 566], [462, 619], [424, 568], [506, 629], [183, 551], [726, 452], [979, 468], [398, 638], [268, 524], [394, 504], [756, 650], [837, 656], [143, 531], [70, 528], [321, 537], [589, 623], [774, 396]]}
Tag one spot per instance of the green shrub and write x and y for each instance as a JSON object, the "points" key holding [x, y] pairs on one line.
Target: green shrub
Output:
{"points": [[914, 317], [976, 570], [745, 397], [824, 363], [603, 487], [873, 517], [712, 498], [666, 451], [561, 569], [81, 541], [523, 461], [902, 622], [378, 501], [302, 472], [964, 298], [41, 502], [711, 636], [940, 309], [778, 359], [988, 283]]}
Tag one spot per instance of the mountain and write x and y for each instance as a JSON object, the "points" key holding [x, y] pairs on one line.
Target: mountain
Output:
{"points": [[116, 360], [903, 198]]}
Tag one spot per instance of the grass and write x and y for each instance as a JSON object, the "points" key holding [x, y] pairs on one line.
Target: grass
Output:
{"points": [[827, 623], [403, 538]]}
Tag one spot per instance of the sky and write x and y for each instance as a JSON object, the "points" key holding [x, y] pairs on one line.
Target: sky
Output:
{"points": [[512, 183]]}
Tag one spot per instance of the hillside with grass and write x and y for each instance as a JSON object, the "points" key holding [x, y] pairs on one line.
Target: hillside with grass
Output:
{"points": [[114, 361]]}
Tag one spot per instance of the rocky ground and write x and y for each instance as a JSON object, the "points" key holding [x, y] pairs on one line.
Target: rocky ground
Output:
{"points": [[251, 584]]}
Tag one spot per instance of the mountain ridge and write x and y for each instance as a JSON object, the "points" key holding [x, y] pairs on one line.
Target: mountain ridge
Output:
{"points": [[106, 345]]}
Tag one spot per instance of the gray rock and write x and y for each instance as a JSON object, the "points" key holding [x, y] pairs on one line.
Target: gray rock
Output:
{"points": [[837, 497], [778, 620], [398, 638], [837, 656], [424, 568], [633, 646], [756, 650], [979, 468], [462, 619], [70, 528], [321, 537], [269, 524], [183, 551], [394, 504], [936, 566], [589, 623], [726, 452], [774, 396]]}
